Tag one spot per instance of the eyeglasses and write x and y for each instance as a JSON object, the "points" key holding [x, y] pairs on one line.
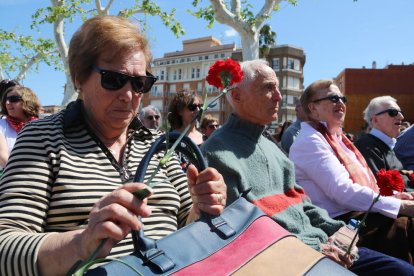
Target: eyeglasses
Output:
{"points": [[151, 117], [193, 106], [13, 99], [391, 111], [112, 80], [213, 126], [332, 98]]}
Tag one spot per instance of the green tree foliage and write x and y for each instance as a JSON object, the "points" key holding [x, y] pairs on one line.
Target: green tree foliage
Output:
{"points": [[22, 54]]}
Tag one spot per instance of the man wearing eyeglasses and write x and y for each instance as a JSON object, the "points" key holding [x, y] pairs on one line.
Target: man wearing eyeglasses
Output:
{"points": [[384, 116], [150, 117]]}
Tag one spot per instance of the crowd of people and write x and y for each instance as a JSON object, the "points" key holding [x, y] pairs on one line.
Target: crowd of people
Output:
{"points": [[67, 183]]}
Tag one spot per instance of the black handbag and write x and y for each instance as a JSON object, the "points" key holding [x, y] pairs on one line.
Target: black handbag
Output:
{"points": [[241, 241]]}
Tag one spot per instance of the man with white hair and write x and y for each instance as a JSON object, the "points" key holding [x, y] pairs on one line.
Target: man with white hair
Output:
{"points": [[384, 116], [247, 159], [150, 117]]}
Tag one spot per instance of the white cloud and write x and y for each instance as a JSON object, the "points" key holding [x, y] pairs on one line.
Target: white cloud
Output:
{"points": [[230, 32]]}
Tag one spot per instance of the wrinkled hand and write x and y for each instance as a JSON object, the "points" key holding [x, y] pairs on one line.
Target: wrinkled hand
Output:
{"points": [[407, 208], [405, 196], [338, 255], [112, 218], [207, 189]]}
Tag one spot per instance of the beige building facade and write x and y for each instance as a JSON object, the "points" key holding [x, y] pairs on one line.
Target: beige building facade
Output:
{"points": [[187, 70]]}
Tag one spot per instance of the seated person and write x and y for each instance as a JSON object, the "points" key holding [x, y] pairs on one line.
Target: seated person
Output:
{"points": [[385, 118], [336, 177], [404, 148], [208, 125], [19, 106], [150, 117], [182, 110], [290, 134], [67, 185], [247, 159]]}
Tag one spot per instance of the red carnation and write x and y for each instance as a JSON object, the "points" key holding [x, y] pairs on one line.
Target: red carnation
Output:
{"points": [[389, 181], [224, 73]]}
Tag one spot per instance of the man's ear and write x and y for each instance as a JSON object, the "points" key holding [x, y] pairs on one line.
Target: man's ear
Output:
{"points": [[235, 94]]}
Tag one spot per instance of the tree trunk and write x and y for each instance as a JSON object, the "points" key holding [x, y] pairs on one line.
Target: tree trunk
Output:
{"points": [[250, 45]]}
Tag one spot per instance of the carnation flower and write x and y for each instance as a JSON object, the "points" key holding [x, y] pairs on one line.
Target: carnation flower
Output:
{"points": [[389, 182], [224, 73]]}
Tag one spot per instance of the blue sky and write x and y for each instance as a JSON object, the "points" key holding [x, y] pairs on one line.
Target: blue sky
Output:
{"points": [[335, 34]]}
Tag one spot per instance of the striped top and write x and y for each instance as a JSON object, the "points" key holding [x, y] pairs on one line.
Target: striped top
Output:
{"points": [[58, 169]]}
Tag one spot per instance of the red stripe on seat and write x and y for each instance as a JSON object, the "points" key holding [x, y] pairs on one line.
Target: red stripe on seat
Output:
{"points": [[262, 233], [274, 204]]}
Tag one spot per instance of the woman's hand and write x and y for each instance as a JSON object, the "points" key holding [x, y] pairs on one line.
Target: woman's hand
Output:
{"points": [[404, 195], [112, 218], [207, 189]]}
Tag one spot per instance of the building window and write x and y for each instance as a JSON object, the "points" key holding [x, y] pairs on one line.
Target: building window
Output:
{"points": [[216, 55], [193, 70], [293, 83], [198, 73], [162, 75], [179, 74], [222, 55], [205, 57], [275, 64], [293, 64], [175, 75]]}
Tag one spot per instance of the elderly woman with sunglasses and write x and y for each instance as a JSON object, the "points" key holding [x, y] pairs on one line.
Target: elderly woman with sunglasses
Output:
{"points": [[69, 184], [385, 117], [19, 106], [336, 177]]}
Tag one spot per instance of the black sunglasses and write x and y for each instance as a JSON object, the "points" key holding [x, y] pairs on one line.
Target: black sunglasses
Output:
{"points": [[14, 99], [391, 111], [112, 80], [332, 98], [213, 126], [151, 117], [193, 106]]}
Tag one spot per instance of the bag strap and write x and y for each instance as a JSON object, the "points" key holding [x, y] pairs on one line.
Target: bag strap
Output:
{"points": [[143, 245]]}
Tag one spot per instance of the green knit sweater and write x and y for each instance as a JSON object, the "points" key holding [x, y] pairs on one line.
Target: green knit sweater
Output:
{"points": [[247, 159]]}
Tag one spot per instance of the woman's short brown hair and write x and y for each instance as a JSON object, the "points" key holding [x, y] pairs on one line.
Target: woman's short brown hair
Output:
{"points": [[30, 102], [179, 101], [309, 94], [105, 37]]}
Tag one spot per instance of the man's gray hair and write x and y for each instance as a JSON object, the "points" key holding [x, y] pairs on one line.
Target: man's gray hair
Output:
{"points": [[376, 105], [144, 110], [250, 70]]}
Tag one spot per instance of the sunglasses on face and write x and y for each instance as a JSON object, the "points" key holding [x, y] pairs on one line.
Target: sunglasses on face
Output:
{"points": [[112, 80], [193, 107], [213, 126], [13, 99], [151, 117], [392, 112], [332, 98]]}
